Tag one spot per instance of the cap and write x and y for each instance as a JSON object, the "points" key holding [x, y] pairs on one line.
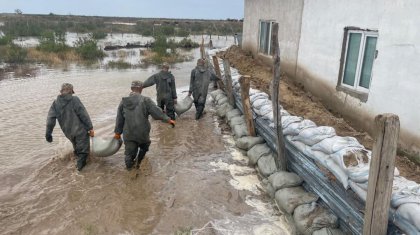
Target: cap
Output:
{"points": [[67, 88], [165, 65], [200, 62], [137, 84]]}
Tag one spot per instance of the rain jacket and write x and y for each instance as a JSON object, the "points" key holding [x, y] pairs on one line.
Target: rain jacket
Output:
{"points": [[165, 86], [199, 83], [71, 115], [133, 117]]}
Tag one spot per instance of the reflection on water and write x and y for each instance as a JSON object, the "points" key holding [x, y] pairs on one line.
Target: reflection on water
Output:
{"points": [[42, 193]]}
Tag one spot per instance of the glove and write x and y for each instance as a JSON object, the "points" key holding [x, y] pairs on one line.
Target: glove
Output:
{"points": [[49, 138], [117, 136], [91, 133], [175, 101], [172, 122]]}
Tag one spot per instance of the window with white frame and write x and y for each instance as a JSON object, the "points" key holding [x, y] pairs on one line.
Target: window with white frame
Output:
{"points": [[265, 37], [359, 56]]}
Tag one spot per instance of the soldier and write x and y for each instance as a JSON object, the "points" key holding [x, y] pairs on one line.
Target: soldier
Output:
{"points": [[133, 122], [74, 122], [201, 76], [165, 89]]}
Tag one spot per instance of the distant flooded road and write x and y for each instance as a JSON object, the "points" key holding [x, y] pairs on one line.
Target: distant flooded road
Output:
{"points": [[191, 178]]}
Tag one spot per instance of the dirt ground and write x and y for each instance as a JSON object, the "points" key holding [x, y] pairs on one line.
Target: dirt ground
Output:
{"points": [[302, 103]]}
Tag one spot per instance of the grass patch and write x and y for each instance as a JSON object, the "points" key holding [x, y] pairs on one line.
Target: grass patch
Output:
{"points": [[13, 54], [35, 55], [120, 64], [151, 57], [183, 231]]}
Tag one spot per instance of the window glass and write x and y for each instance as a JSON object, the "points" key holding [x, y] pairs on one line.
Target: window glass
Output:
{"points": [[262, 36], [352, 58], [368, 57]]}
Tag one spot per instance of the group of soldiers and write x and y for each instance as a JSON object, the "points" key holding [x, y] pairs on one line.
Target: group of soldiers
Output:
{"points": [[133, 113]]}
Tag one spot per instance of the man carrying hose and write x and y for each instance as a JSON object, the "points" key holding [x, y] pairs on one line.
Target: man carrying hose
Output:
{"points": [[74, 122], [133, 122], [165, 89], [201, 76]]}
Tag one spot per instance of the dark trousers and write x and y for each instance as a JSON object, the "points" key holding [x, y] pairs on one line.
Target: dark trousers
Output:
{"points": [[131, 150], [81, 146], [199, 107], [168, 107]]}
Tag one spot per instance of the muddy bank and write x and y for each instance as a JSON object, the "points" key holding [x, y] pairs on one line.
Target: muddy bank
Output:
{"points": [[299, 102]]}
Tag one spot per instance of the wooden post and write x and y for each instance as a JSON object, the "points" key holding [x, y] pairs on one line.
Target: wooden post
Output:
{"points": [[203, 54], [381, 174], [244, 81], [218, 73], [275, 99], [228, 83]]}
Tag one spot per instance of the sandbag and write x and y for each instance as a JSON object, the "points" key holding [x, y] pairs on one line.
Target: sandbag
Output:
{"points": [[236, 121], [267, 165], [284, 179], [404, 191], [290, 198], [337, 171], [296, 127], [213, 94], [256, 152], [219, 96], [268, 188], [260, 102], [222, 101], [240, 130], [311, 136], [223, 109], [358, 189], [265, 109], [311, 217], [105, 147], [286, 121], [336, 143], [183, 105], [247, 142], [411, 213], [328, 231], [233, 113]]}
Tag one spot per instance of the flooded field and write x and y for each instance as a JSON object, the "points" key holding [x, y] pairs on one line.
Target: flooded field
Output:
{"points": [[192, 178]]}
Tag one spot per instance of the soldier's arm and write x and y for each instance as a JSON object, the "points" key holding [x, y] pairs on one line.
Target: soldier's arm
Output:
{"points": [[150, 81], [192, 77], [51, 120], [119, 123], [156, 111], [213, 76], [173, 88], [82, 113]]}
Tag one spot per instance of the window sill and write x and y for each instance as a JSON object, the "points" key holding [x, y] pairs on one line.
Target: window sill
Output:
{"points": [[362, 96]]}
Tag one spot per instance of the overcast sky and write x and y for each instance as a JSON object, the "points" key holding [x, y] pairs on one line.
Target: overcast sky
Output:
{"points": [[192, 9]]}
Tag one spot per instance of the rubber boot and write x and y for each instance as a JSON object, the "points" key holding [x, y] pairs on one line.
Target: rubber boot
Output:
{"points": [[199, 112], [142, 153], [81, 162], [129, 162]]}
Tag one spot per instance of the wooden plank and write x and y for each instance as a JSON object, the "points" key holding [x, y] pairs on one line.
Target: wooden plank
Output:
{"points": [[228, 84], [218, 83], [202, 50], [244, 81], [381, 174], [275, 99]]}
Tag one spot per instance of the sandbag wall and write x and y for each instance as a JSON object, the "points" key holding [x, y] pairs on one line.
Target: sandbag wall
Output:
{"points": [[323, 146]]}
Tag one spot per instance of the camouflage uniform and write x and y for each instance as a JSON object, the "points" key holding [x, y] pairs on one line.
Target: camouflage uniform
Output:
{"points": [[133, 122], [74, 122]]}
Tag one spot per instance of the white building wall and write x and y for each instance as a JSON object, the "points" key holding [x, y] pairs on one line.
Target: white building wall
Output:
{"points": [[285, 12], [395, 80]]}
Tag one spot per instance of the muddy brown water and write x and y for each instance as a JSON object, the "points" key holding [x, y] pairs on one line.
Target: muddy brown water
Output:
{"points": [[192, 177]]}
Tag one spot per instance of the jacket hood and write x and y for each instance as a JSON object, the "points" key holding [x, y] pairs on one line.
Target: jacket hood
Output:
{"points": [[63, 100], [201, 68], [131, 102]]}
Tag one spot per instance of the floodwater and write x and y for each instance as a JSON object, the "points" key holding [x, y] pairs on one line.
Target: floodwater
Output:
{"points": [[192, 179]]}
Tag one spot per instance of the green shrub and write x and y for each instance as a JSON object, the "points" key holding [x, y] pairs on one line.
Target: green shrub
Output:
{"points": [[53, 42], [120, 64], [187, 43], [99, 35], [14, 54], [6, 40], [88, 49]]}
